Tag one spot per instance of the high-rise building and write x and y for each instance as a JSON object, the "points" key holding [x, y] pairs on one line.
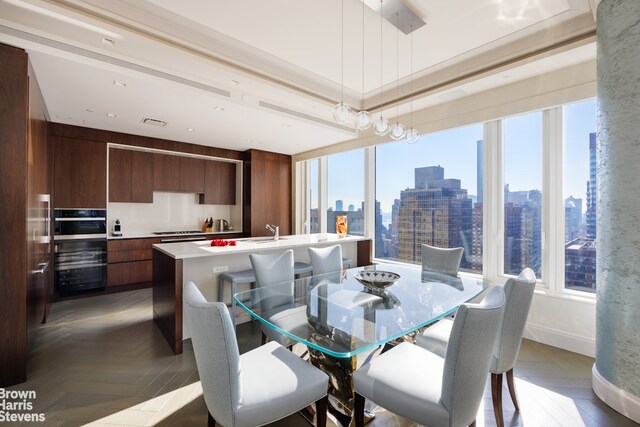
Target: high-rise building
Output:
{"points": [[393, 229], [437, 212], [479, 190], [572, 218], [339, 205], [591, 188], [523, 230], [580, 265]]}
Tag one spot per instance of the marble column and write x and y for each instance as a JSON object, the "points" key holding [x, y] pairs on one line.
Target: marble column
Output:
{"points": [[616, 373]]}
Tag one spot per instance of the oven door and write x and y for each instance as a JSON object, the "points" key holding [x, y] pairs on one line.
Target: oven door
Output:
{"points": [[80, 265]]}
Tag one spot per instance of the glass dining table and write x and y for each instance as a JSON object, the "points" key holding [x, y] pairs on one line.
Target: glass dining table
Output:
{"points": [[338, 318]]}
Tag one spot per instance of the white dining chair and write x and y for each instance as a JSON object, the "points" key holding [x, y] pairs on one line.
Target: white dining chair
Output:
{"points": [[518, 297], [326, 260], [277, 269], [441, 260], [433, 390], [258, 387]]}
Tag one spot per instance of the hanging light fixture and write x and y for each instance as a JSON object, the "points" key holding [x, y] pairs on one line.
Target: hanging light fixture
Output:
{"points": [[381, 125], [342, 112], [397, 130], [412, 134], [363, 118]]}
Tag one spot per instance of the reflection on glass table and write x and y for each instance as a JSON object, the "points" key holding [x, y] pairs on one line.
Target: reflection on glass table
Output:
{"points": [[337, 317]]}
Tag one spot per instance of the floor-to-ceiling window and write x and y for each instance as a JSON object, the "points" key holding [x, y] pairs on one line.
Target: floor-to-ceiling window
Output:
{"points": [[579, 192], [430, 193], [345, 190], [523, 198], [313, 221]]}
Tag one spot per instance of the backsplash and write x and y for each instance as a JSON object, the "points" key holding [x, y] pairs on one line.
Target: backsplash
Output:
{"points": [[169, 212]]}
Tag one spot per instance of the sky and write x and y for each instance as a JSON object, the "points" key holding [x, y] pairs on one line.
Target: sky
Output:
{"points": [[456, 151]]}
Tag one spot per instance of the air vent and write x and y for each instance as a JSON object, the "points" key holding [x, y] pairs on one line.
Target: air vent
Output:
{"points": [[154, 122]]}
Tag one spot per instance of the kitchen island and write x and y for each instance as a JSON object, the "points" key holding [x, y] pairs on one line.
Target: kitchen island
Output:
{"points": [[175, 264]]}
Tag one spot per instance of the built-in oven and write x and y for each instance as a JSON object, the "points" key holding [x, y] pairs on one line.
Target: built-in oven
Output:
{"points": [[80, 250]]}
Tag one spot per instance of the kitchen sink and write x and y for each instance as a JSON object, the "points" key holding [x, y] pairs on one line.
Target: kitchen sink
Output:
{"points": [[264, 239]]}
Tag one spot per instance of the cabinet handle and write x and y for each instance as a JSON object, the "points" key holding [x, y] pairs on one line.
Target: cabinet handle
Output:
{"points": [[43, 267]]}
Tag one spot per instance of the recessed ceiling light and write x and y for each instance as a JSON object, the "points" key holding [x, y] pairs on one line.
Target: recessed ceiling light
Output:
{"points": [[286, 125], [235, 82], [190, 129], [89, 110], [249, 140], [506, 76], [108, 41], [246, 98], [119, 84], [111, 115], [218, 108]]}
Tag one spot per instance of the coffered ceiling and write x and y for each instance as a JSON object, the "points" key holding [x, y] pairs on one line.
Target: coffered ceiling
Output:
{"points": [[266, 74]]}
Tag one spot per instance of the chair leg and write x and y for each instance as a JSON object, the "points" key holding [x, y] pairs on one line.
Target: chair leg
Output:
{"points": [[496, 396], [264, 339], [322, 406], [512, 389], [210, 421], [358, 410]]}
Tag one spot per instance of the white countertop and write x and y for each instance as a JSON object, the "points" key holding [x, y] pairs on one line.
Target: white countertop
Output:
{"points": [[198, 249]]}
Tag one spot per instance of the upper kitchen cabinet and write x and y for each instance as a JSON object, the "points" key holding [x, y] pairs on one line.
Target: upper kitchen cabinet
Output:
{"points": [[131, 176], [178, 173], [80, 173], [191, 175], [267, 192], [166, 172], [219, 183]]}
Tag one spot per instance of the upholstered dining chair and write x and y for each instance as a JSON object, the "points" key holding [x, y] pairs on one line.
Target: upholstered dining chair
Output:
{"points": [[258, 387], [326, 260], [433, 390], [441, 260], [272, 269], [518, 296]]}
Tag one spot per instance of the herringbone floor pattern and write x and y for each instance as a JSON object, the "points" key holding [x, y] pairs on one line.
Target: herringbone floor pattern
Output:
{"points": [[101, 361]]}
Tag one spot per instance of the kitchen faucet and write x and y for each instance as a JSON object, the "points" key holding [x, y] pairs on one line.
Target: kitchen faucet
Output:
{"points": [[275, 230]]}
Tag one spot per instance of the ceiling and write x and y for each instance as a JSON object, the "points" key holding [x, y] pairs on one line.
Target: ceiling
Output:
{"points": [[266, 74]]}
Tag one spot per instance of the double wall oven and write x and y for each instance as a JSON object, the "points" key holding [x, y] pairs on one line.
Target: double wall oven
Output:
{"points": [[80, 249]]}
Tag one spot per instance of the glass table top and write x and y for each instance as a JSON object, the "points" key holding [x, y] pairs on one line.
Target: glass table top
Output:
{"points": [[337, 315]]}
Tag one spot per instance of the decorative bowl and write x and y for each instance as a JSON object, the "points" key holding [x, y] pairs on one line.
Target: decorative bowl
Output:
{"points": [[376, 280]]}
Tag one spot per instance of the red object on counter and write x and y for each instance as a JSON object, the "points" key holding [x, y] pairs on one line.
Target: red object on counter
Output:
{"points": [[220, 242]]}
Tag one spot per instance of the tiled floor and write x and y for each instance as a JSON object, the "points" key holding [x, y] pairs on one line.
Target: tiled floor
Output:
{"points": [[101, 361]]}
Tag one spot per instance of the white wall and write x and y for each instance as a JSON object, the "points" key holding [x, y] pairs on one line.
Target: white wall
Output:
{"points": [[169, 211]]}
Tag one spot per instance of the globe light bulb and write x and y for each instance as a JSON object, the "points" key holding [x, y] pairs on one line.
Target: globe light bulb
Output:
{"points": [[342, 112], [397, 131], [381, 126], [363, 120], [412, 136]]}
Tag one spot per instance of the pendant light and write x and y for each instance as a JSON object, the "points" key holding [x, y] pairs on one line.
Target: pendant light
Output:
{"points": [[381, 125], [397, 130], [363, 120], [342, 112], [412, 133]]}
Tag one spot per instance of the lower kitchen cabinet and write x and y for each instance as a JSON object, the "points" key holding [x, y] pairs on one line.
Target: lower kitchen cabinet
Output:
{"points": [[129, 261]]}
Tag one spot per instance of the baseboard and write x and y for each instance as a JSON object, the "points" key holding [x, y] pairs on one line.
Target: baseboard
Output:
{"points": [[620, 400], [561, 340]]}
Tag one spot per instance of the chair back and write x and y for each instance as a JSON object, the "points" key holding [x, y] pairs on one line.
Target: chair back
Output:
{"points": [[441, 260], [468, 356], [217, 356], [326, 260], [272, 269], [518, 296]]}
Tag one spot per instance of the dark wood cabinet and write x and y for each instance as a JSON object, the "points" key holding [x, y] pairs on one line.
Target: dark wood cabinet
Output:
{"points": [[80, 173], [131, 176], [219, 183], [129, 261], [166, 172], [191, 175], [267, 192]]}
